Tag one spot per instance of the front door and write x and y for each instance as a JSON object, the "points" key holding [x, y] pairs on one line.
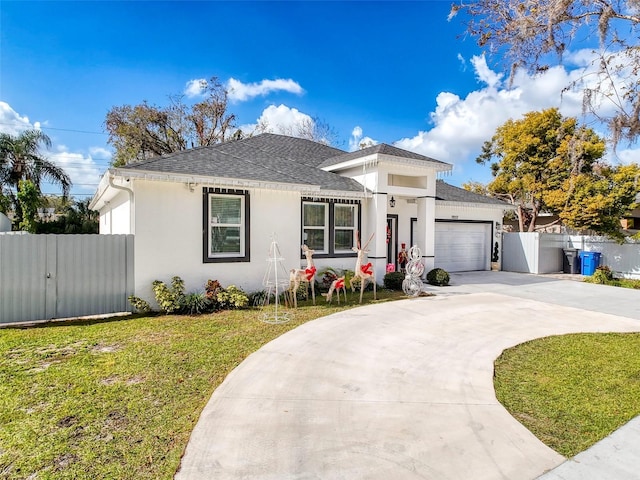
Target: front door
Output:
{"points": [[392, 240]]}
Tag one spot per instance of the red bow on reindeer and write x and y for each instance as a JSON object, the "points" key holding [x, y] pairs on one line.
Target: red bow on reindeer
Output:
{"points": [[340, 283], [367, 269], [310, 272]]}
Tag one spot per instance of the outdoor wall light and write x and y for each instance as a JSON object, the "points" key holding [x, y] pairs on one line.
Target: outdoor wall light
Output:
{"points": [[392, 202]]}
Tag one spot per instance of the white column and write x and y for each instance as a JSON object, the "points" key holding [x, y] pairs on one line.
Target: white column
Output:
{"points": [[425, 235], [378, 223]]}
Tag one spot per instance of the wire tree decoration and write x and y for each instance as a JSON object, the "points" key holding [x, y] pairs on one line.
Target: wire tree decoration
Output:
{"points": [[276, 282]]}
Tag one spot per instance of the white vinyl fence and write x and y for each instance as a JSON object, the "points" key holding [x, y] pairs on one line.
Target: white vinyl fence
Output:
{"points": [[43, 277], [542, 252]]}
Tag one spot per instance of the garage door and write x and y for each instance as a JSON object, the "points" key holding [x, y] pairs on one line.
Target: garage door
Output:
{"points": [[462, 247]]}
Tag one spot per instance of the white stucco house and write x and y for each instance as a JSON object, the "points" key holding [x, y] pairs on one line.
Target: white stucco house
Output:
{"points": [[211, 212]]}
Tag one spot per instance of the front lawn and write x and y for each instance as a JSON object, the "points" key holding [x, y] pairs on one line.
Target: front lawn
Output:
{"points": [[572, 390], [119, 398]]}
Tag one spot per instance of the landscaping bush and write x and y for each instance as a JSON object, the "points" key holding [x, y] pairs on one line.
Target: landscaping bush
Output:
{"points": [[258, 299], [232, 297], [393, 280], [169, 298], [138, 304], [603, 275], [195, 303], [438, 277]]}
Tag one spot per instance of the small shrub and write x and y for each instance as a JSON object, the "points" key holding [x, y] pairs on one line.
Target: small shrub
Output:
{"points": [[257, 299], [393, 280], [195, 303], [438, 277], [138, 304], [232, 298], [325, 278], [169, 299], [603, 275], [212, 288]]}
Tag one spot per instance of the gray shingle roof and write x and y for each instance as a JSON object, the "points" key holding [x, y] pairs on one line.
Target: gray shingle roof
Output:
{"points": [[267, 157], [449, 193], [382, 148]]}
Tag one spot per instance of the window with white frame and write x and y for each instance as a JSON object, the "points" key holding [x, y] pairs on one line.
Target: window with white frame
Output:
{"points": [[226, 232], [345, 219], [330, 227], [315, 226]]}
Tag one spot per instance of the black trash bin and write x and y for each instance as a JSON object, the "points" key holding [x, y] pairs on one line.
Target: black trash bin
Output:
{"points": [[570, 260]]}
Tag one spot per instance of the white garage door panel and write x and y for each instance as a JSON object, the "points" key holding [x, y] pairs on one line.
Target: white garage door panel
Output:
{"points": [[462, 247]]}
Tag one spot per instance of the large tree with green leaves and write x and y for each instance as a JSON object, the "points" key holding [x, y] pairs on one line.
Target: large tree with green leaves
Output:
{"points": [[21, 159], [545, 162], [531, 34], [598, 201], [143, 131], [534, 157]]}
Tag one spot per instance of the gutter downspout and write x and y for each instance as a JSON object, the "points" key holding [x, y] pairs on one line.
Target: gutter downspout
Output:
{"points": [[131, 204]]}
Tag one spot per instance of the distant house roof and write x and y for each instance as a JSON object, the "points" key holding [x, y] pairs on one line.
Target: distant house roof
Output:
{"points": [[384, 149], [267, 158], [449, 193]]}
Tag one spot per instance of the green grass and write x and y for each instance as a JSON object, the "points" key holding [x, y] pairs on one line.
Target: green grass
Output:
{"points": [[119, 398], [572, 390]]}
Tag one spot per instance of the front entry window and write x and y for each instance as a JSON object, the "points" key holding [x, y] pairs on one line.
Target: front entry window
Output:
{"points": [[330, 227]]}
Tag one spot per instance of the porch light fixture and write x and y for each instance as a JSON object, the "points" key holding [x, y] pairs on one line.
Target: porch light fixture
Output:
{"points": [[392, 202]]}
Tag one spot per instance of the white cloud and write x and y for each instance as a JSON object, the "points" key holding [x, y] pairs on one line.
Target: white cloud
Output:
{"points": [[241, 92], [484, 73], [626, 156], [282, 119], [85, 173], [461, 125], [194, 88], [463, 62], [357, 140], [12, 122], [83, 170]]}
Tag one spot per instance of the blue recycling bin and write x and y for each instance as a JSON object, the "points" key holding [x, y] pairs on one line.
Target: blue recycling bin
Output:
{"points": [[590, 261]]}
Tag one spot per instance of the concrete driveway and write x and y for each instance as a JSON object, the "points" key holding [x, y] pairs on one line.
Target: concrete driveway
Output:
{"points": [[400, 390]]}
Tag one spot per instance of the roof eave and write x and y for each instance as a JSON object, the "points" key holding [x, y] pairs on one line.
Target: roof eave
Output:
{"points": [[453, 203]]}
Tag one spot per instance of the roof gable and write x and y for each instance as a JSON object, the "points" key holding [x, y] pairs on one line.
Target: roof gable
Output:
{"points": [[383, 149]]}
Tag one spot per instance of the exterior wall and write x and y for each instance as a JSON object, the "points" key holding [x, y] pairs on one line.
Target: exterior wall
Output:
{"points": [[419, 192], [115, 215], [474, 213], [533, 252], [169, 222]]}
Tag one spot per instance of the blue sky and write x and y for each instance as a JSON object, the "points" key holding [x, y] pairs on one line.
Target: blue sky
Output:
{"points": [[393, 72]]}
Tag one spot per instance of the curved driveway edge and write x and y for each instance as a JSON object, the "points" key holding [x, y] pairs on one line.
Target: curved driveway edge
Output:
{"points": [[396, 390]]}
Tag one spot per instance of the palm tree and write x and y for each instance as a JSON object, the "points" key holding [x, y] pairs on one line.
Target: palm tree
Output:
{"points": [[20, 159]]}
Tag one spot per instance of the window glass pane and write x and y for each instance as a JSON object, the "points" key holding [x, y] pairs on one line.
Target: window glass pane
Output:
{"points": [[343, 239], [314, 238], [226, 210], [225, 240], [345, 215], [313, 215]]}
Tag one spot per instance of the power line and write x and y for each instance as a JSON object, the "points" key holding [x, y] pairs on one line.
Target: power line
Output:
{"points": [[43, 127]]}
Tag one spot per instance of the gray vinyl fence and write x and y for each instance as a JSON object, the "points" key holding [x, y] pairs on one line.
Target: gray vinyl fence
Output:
{"points": [[542, 252], [44, 277]]}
